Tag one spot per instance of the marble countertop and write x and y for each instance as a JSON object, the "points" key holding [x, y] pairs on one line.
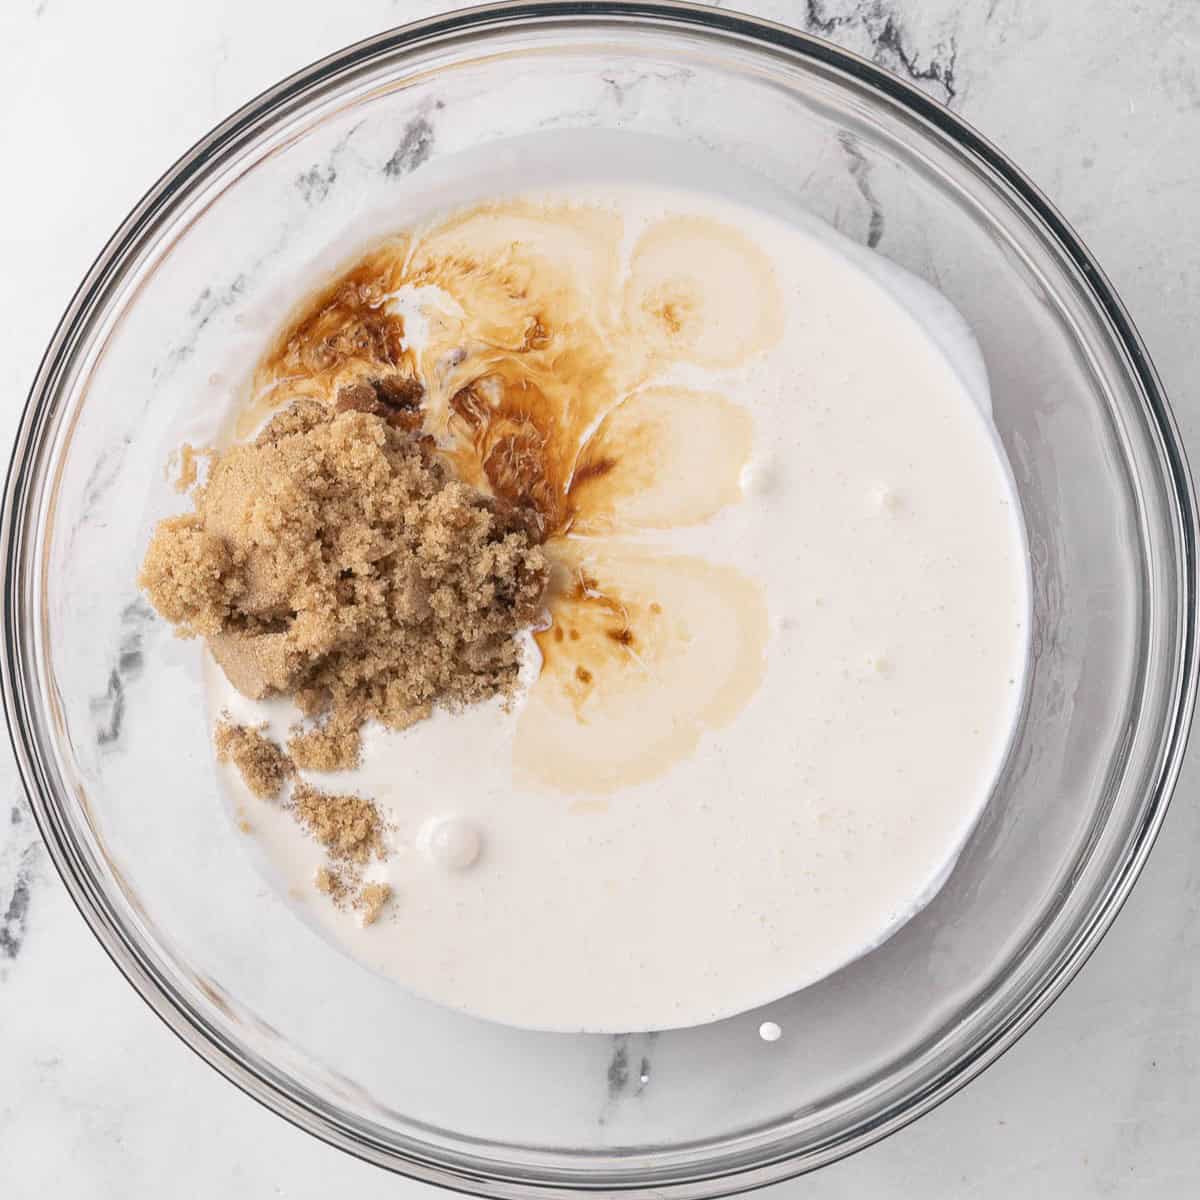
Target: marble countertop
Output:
{"points": [[1099, 102]]}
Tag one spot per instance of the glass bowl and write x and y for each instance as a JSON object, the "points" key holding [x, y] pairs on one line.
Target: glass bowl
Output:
{"points": [[106, 708]]}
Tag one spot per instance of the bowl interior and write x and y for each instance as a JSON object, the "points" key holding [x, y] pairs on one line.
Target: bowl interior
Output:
{"points": [[109, 706]]}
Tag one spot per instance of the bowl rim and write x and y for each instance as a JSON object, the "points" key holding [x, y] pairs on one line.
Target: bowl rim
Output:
{"points": [[223, 1055]]}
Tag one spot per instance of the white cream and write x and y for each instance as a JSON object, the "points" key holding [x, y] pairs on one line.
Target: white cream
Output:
{"points": [[878, 522]]}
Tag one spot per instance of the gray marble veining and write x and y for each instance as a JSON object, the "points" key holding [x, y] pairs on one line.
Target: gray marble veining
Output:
{"points": [[880, 30], [21, 856], [414, 147]]}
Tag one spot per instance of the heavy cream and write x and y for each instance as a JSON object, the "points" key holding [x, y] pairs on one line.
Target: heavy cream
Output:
{"points": [[784, 650]]}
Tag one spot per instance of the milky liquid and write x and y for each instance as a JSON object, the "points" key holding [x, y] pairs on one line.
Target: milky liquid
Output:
{"points": [[828, 586]]}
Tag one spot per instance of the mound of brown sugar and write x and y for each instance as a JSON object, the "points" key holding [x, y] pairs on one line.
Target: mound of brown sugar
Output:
{"points": [[262, 764], [337, 560]]}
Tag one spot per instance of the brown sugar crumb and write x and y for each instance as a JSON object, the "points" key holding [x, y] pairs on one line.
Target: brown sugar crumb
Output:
{"points": [[370, 901], [337, 560], [299, 417], [328, 747], [395, 398], [347, 826], [331, 883], [187, 461], [261, 763], [191, 576]]}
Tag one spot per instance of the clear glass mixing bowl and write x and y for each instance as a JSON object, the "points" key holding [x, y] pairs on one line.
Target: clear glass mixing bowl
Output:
{"points": [[105, 707]]}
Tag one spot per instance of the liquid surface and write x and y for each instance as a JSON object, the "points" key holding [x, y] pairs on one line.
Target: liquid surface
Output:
{"points": [[785, 640]]}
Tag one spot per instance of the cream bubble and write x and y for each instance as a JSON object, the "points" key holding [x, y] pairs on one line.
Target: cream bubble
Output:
{"points": [[888, 499], [450, 842], [759, 478], [876, 665]]}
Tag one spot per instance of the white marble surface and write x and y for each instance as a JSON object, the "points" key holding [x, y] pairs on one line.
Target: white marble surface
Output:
{"points": [[1099, 101]]}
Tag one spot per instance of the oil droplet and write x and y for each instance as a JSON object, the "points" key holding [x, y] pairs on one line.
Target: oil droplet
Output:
{"points": [[700, 291], [591, 805], [639, 469], [452, 843], [656, 688], [770, 1032]]}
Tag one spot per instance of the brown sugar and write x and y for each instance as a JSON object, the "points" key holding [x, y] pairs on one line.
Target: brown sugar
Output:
{"points": [[191, 576], [395, 398], [348, 827], [342, 885], [337, 560], [328, 747], [262, 764], [187, 461], [332, 883], [370, 901], [299, 417]]}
